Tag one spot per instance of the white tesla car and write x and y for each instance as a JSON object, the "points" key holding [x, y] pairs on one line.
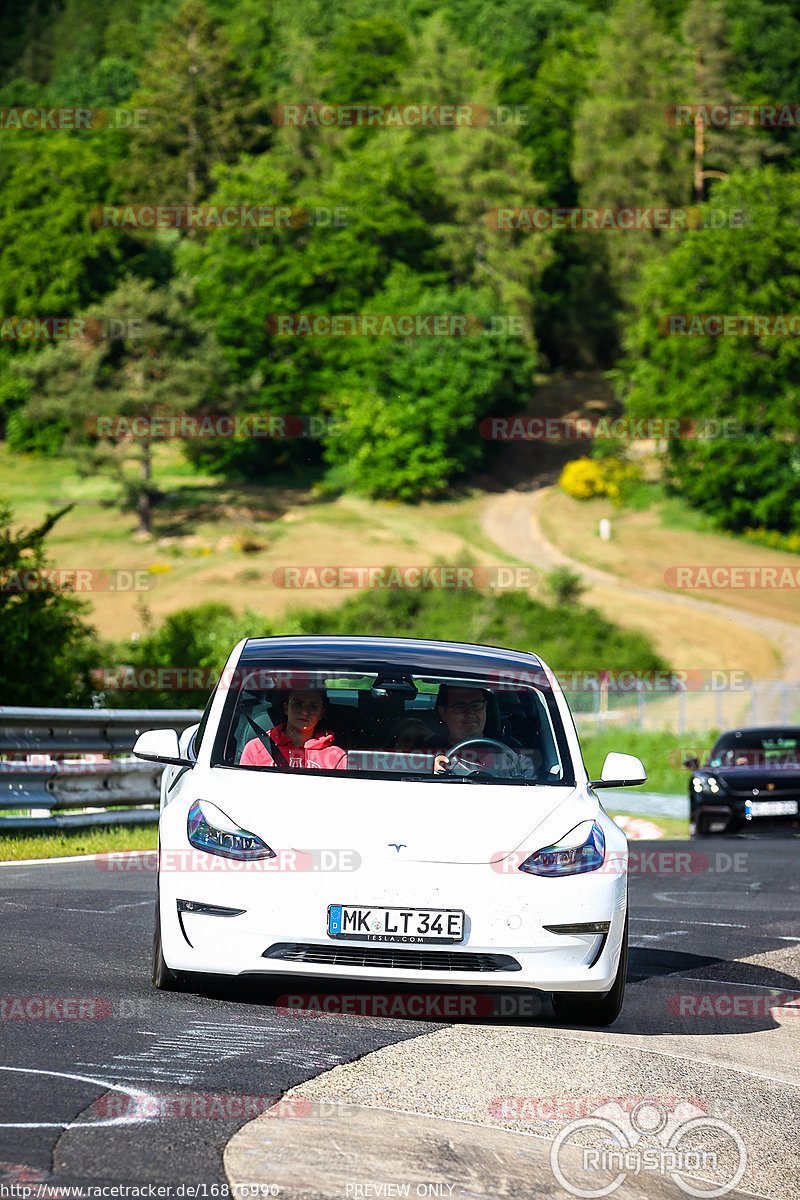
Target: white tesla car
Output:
{"points": [[396, 810]]}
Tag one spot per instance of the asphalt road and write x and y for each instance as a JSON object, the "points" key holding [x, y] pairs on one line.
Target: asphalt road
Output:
{"points": [[77, 1083]]}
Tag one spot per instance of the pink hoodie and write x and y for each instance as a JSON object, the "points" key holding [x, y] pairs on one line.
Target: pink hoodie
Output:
{"points": [[319, 752]]}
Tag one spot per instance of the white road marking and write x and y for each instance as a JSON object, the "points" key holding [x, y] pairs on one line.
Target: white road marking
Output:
{"points": [[735, 983], [675, 920], [102, 912], [113, 1087]]}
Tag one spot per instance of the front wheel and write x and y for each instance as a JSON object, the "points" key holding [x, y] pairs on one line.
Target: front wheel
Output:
{"points": [[584, 1008], [164, 978]]}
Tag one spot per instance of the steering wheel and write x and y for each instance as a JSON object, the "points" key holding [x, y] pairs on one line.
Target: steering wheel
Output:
{"points": [[462, 768]]}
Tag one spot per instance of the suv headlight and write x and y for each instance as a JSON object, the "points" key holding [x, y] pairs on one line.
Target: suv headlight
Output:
{"points": [[208, 828], [707, 783], [565, 859]]}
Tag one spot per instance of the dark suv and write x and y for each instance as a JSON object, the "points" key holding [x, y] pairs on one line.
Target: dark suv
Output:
{"points": [[750, 780]]}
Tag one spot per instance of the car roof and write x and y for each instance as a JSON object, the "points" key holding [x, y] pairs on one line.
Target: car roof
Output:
{"points": [[421, 655], [762, 731]]}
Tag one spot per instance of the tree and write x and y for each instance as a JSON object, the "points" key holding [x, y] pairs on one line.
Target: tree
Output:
{"points": [[165, 364], [714, 70], [409, 407], [191, 639], [242, 277], [47, 650], [364, 60], [752, 379], [626, 153], [201, 110], [477, 168], [53, 260]]}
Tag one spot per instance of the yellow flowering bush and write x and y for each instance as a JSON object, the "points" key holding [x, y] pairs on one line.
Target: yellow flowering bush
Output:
{"points": [[584, 478]]}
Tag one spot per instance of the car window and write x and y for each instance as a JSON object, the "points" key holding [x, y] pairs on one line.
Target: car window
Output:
{"points": [[394, 724], [772, 749]]}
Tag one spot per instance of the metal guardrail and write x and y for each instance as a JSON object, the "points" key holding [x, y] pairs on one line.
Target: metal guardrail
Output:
{"points": [[114, 791]]}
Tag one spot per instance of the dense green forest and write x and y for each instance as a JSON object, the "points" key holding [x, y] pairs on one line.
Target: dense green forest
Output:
{"points": [[575, 100]]}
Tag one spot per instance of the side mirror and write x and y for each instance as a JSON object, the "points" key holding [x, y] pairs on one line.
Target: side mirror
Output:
{"points": [[691, 763], [161, 745], [620, 770]]}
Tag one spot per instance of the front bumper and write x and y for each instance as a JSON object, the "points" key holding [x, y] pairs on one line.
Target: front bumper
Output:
{"points": [[506, 915]]}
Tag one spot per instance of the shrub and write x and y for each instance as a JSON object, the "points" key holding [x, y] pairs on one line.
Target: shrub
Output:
{"points": [[585, 478]]}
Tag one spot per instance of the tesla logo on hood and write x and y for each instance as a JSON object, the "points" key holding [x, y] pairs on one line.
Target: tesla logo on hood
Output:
{"points": [[398, 848]]}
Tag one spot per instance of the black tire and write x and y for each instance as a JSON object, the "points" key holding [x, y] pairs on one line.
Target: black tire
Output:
{"points": [[584, 1008], [164, 978]]}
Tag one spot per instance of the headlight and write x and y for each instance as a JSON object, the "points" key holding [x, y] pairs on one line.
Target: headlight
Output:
{"points": [[706, 783], [562, 859], [209, 829]]}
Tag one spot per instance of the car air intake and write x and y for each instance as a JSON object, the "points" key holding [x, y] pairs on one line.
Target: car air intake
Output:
{"points": [[393, 958]]}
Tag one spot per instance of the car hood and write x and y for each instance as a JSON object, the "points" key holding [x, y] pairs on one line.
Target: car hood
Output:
{"points": [[431, 821]]}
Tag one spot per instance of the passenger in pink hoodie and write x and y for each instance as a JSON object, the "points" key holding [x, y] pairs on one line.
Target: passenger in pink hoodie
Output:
{"points": [[294, 740]]}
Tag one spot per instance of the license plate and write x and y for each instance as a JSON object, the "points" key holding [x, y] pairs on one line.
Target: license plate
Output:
{"points": [[772, 808], [415, 926]]}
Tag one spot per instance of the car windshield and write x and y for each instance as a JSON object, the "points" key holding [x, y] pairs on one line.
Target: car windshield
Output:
{"points": [[773, 749], [394, 725]]}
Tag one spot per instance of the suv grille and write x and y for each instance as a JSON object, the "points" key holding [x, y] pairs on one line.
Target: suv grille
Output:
{"points": [[393, 958]]}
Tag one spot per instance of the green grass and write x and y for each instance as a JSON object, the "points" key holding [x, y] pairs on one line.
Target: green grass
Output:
{"points": [[661, 753], [97, 840]]}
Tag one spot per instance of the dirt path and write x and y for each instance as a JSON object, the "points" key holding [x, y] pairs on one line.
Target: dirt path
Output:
{"points": [[511, 520]]}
